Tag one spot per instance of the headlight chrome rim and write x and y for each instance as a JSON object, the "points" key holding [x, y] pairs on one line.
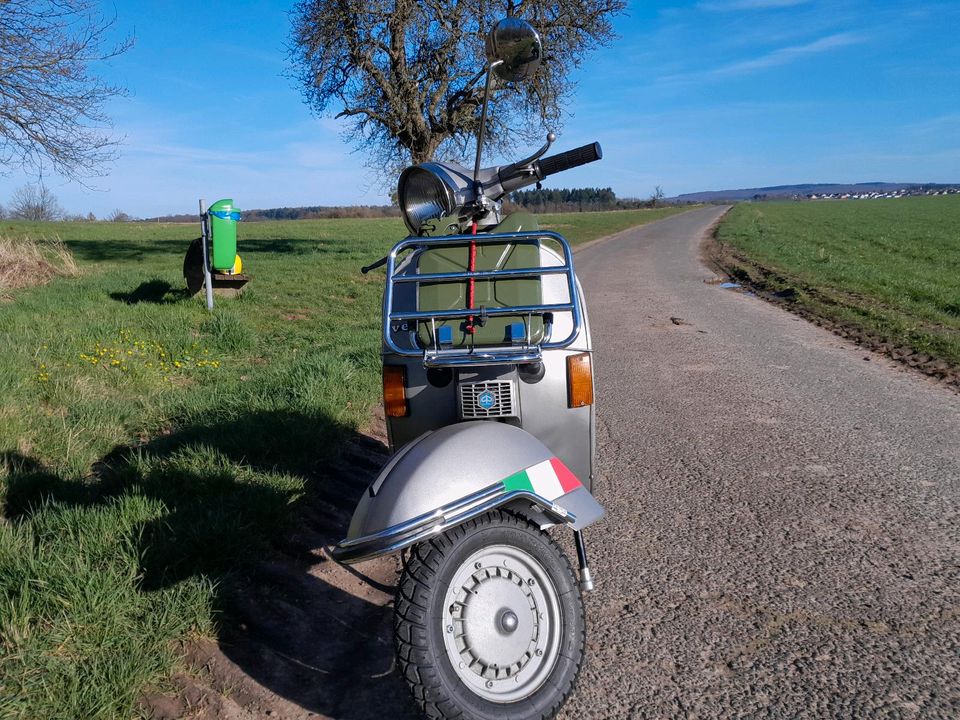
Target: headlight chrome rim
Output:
{"points": [[418, 209]]}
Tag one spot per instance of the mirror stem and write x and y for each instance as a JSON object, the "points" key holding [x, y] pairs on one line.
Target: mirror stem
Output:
{"points": [[477, 189]]}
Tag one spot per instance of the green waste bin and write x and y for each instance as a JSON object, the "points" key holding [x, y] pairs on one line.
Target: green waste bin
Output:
{"points": [[223, 231]]}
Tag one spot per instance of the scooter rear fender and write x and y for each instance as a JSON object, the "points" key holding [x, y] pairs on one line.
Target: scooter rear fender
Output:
{"points": [[451, 475]]}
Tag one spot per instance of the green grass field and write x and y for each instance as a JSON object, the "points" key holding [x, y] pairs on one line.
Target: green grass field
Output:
{"points": [[147, 446], [891, 267]]}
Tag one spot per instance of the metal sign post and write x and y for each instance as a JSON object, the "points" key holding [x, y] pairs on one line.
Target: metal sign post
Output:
{"points": [[207, 278]]}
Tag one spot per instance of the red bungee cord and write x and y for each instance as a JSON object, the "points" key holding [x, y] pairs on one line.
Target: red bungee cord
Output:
{"points": [[471, 267]]}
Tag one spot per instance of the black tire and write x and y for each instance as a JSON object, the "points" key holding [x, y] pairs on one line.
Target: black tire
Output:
{"points": [[193, 266], [425, 587]]}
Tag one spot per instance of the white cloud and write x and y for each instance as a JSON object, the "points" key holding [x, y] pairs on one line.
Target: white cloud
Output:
{"points": [[775, 58], [787, 55]]}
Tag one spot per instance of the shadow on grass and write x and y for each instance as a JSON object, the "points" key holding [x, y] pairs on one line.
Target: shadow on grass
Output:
{"points": [[125, 250], [247, 501], [283, 246], [159, 292], [134, 250]]}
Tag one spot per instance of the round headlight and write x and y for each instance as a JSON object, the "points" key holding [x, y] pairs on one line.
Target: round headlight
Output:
{"points": [[423, 195]]}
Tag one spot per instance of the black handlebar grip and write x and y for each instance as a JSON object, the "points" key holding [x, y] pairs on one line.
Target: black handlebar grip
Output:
{"points": [[569, 159]]}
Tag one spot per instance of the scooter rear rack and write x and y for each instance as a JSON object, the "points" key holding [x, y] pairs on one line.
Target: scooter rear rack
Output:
{"points": [[436, 356]]}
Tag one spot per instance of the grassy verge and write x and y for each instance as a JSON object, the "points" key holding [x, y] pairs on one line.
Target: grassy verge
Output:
{"points": [[26, 261], [147, 446], [886, 272]]}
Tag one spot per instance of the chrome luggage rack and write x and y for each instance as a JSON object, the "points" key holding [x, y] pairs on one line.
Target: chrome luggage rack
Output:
{"points": [[436, 356]]}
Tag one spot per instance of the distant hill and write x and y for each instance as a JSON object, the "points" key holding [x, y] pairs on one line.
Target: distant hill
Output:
{"points": [[780, 192]]}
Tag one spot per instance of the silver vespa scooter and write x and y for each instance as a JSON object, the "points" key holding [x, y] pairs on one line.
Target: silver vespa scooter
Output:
{"points": [[488, 397]]}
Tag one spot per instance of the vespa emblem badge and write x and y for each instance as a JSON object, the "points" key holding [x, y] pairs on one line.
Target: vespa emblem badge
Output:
{"points": [[486, 400]]}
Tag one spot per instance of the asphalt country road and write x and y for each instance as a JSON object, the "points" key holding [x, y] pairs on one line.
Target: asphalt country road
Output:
{"points": [[781, 537]]}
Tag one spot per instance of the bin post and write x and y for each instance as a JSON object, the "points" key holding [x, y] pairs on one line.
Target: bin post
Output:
{"points": [[205, 234]]}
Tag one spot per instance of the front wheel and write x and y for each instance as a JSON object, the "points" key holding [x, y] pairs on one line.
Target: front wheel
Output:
{"points": [[489, 622]]}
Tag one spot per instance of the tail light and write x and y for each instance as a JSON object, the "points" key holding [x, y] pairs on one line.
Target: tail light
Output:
{"points": [[579, 380], [394, 391]]}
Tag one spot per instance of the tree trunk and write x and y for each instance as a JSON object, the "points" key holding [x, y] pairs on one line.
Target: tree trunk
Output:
{"points": [[423, 149]]}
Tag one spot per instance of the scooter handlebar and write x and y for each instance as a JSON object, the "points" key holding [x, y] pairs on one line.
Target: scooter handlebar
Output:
{"points": [[569, 159]]}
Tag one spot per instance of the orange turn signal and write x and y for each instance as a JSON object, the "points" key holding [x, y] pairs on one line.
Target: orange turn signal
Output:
{"points": [[394, 393], [579, 380]]}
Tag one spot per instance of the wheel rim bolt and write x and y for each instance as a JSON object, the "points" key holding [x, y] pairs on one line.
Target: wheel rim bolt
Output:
{"points": [[478, 565], [539, 653], [531, 581], [449, 628], [489, 684]]}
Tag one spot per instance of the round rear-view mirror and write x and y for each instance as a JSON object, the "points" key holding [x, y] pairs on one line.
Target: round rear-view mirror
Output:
{"points": [[514, 49]]}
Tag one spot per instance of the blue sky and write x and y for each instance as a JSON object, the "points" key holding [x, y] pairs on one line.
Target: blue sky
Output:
{"points": [[692, 96]]}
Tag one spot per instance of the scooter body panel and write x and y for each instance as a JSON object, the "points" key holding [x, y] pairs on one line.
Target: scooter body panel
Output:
{"points": [[447, 476], [539, 405]]}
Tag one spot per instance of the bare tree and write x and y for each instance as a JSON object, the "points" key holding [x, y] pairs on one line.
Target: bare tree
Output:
{"points": [[118, 216], [404, 72], [3, 213], [51, 105], [35, 202], [657, 196]]}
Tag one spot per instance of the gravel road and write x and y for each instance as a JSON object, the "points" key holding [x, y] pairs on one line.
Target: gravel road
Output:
{"points": [[782, 529]]}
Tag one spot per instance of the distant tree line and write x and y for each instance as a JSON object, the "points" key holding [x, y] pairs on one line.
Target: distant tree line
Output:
{"points": [[322, 212], [318, 212], [565, 199], [39, 204], [580, 200]]}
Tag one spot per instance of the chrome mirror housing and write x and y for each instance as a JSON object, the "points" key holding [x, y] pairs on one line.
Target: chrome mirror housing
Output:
{"points": [[513, 49]]}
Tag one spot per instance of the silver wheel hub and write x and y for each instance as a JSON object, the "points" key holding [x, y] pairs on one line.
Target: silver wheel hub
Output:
{"points": [[502, 623], [508, 622]]}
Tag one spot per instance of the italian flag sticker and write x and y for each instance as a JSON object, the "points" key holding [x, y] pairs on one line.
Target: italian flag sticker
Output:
{"points": [[549, 479]]}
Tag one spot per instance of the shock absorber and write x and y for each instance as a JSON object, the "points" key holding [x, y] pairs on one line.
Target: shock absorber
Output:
{"points": [[586, 579]]}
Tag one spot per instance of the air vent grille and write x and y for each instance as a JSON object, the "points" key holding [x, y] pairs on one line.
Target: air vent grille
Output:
{"points": [[487, 400]]}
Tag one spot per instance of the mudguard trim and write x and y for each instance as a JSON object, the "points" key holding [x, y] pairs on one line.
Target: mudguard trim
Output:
{"points": [[549, 485], [413, 531]]}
